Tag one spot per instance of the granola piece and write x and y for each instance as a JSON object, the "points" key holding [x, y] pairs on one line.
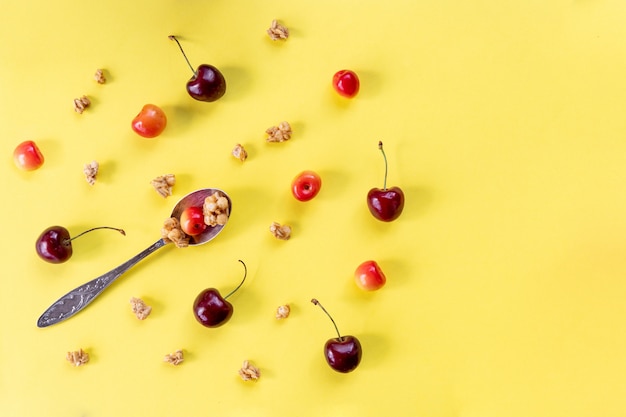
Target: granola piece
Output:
{"points": [[249, 372], [277, 31], [81, 103], [282, 312], [99, 76], [175, 358], [173, 232], [140, 308], [164, 184], [77, 358], [91, 171], [279, 133], [282, 232], [239, 152], [215, 209]]}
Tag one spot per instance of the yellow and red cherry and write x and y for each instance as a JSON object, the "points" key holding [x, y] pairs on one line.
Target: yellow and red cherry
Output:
{"points": [[54, 244], [27, 156], [207, 82], [306, 185], [211, 309], [346, 83], [150, 122], [342, 353], [385, 204], [369, 276], [192, 221]]}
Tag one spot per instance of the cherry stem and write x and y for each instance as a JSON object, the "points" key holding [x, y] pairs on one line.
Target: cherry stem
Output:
{"points": [[245, 274], [380, 146], [317, 303], [172, 37], [96, 228]]}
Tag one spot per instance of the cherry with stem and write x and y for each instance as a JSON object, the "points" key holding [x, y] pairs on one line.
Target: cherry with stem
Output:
{"points": [[211, 309], [207, 83], [342, 353], [54, 244], [385, 204]]}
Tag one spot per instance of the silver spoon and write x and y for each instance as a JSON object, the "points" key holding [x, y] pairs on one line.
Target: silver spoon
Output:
{"points": [[77, 299]]}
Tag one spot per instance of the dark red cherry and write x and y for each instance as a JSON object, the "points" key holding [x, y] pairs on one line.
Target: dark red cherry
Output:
{"points": [[207, 82], [342, 353], [54, 244], [213, 310], [385, 204]]}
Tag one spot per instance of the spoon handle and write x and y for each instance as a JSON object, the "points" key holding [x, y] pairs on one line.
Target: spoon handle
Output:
{"points": [[77, 299]]}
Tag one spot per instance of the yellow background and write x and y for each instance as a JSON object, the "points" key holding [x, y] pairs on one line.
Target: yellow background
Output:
{"points": [[503, 122]]}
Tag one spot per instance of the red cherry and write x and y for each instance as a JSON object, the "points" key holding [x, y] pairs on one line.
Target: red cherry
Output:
{"points": [[306, 185], [27, 156], [150, 122], [211, 309], [192, 221], [369, 277], [54, 244], [385, 204], [342, 353], [207, 82], [346, 83]]}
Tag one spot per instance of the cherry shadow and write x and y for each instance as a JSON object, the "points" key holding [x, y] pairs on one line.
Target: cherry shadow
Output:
{"points": [[238, 83]]}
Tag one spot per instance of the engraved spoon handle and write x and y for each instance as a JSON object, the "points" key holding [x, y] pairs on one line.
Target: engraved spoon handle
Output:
{"points": [[77, 299]]}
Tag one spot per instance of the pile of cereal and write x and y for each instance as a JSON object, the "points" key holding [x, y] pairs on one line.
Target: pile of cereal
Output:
{"points": [[215, 209]]}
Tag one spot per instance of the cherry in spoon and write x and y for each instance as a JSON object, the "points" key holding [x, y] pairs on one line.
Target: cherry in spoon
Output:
{"points": [[77, 299]]}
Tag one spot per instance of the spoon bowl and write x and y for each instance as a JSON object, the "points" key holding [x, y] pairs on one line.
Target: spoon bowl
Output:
{"points": [[196, 199], [77, 299]]}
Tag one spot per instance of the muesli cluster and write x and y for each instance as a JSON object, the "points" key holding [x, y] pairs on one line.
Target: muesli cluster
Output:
{"points": [[280, 133], [78, 357], [282, 232], [249, 372], [99, 76], [215, 209], [163, 184], [91, 172], [140, 308], [81, 104], [175, 358], [282, 312], [277, 31], [173, 232], [240, 152]]}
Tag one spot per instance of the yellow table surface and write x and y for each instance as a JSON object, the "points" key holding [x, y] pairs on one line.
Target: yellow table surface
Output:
{"points": [[503, 122]]}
